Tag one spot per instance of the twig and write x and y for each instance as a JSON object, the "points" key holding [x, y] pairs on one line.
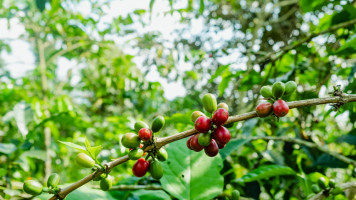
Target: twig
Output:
{"points": [[163, 141], [134, 187], [307, 144]]}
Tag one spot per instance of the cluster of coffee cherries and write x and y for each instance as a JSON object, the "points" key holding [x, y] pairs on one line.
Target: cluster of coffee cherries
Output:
{"points": [[274, 103], [212, 134], [328, 185], [138, 142], [35, 188]]}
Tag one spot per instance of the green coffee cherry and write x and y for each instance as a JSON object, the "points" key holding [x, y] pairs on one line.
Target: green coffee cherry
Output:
{"points": [[209, 102], [278, 89], [157, 123], [315, 188], [336, 191], [332, 183], [204, 139], [266, 91], [98, 178], [32, 187], [135, 154], [130, 140], [156, 169], [290, 87], [322, 182], [162, 155], [223, 105], [235, 195], [53, 180], [195, 115], [106, 183], [139, 125], [85, 161]]}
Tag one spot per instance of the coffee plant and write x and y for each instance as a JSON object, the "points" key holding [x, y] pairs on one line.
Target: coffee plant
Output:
{"points": [[185, 99]]}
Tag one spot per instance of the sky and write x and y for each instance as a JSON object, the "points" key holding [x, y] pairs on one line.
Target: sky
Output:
{"points": [[21, 59]]}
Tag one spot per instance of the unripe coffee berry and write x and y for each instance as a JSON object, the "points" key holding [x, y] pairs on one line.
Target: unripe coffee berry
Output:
{"points": [[194, 144]]}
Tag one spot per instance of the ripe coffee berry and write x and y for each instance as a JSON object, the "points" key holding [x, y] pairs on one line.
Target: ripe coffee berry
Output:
{"points": [[140, 168], [221, 146], [264, 109], [213, 149], [145, 134], [203, 124], [194, 144], [220, 116], [188, 142], [221, 135], [280, 108]]}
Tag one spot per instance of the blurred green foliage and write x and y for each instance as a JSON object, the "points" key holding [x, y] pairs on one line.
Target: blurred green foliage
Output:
{"points": [[102, 96]]}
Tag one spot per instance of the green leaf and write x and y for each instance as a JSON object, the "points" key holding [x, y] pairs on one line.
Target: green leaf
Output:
{"points": [[87, 143], [38, 154], [224, 84], [349, 47], [7, 148], [151, 195], [218, 72], [94, 151], [307, 5], [23, 115], [74, 146], [202, 7], [266, 172], [151, 5], [232, 146], [189, 174]]}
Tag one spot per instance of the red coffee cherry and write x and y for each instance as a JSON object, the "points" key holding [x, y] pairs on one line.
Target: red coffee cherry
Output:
{"points": [[145, 134], [140, 168], [213, 149], [221, 146], [194, 144], [188, 142], [220, 116], [203, 124], [280, 108], [221, 135], [264, 109]]}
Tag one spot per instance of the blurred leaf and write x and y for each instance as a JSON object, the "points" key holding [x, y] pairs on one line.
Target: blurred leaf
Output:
{"points": [[151, 195], [274, 156], [327, 160], [7, 148], [266, 172], [189, 175], [38, 154], [75, 146], [349, 47], [23, 115], [232, 146], [218, 72], [201, 7], [313, 5], [248, 126]]}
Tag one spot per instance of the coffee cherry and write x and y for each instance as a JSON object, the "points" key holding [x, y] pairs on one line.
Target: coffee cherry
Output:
{"points": [[195, 115], [264, 109], [130, 140], [209, 102], [145, 134], [220, 116], [278, 89], [85, 161], [221, 146], [194, 144], [235, 195], [290, 87], [106, 183], [162, 155], [135, 154], [332, 183], [32, 187], [280, 108], [203, 124], [140, 167], [315, 188], [188, 142], [336, 191], [139, 125], [204, 139], [266, 91], [98, 178], [158, 123], [156, 169], [53, 180], [322, 183], [223, 105], [213, 149], [221, 135]]}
